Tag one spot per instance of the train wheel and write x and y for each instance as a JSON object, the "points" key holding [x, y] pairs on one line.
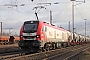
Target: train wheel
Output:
{"points": [[47, 47], [58, 45], [65, 45], [54, 46], [41, 49]]}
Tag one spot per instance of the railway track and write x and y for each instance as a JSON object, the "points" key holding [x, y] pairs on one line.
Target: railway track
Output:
{"points": [[68, 55], [12, 51], [13, 54], [48, 55], [7, 49], [74, 54]]}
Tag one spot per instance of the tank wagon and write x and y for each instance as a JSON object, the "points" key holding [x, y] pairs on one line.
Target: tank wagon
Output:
{"points": [[5, 39], [38, 35]]}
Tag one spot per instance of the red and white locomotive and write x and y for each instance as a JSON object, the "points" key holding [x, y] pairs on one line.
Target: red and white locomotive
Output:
{"points": [[35, 35]]}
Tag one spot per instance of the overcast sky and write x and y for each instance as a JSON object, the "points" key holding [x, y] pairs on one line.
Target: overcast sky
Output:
{"points": [[13, 17]]}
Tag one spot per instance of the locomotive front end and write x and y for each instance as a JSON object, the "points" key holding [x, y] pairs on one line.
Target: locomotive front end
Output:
{"points": [[28, 36]]}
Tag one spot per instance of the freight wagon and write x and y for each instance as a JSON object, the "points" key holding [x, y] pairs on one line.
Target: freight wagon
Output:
{"points": [[4, 39]]}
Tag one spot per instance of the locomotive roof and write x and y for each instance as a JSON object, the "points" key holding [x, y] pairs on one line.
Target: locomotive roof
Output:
{"points": [[47, 24]]}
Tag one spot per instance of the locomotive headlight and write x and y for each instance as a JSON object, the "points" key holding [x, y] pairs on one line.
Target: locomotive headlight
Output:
{"points": [[21, 36], [37, 36]]}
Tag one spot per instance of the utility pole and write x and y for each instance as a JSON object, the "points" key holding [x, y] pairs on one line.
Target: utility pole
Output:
{"points": [[73, 18], [69, 26], [50, 17], [73, 14], [1, 28], [85, 28]]}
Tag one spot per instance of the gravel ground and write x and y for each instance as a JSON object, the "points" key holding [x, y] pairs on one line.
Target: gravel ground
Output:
{"points": [[85, 55], [8, 48], [10, 45]]}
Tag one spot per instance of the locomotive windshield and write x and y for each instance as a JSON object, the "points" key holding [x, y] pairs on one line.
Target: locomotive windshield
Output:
{"points": [[30, 26]]}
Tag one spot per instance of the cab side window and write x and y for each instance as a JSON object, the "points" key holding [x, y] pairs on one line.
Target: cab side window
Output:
{"points": [[44, 28]]}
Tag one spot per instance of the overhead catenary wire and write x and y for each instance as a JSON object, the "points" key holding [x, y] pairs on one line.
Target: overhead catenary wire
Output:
{"points": [[46, 1], [60, 18], [18, 5], [79, 12], [19, 12], [81, 8], [14, 5]]}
